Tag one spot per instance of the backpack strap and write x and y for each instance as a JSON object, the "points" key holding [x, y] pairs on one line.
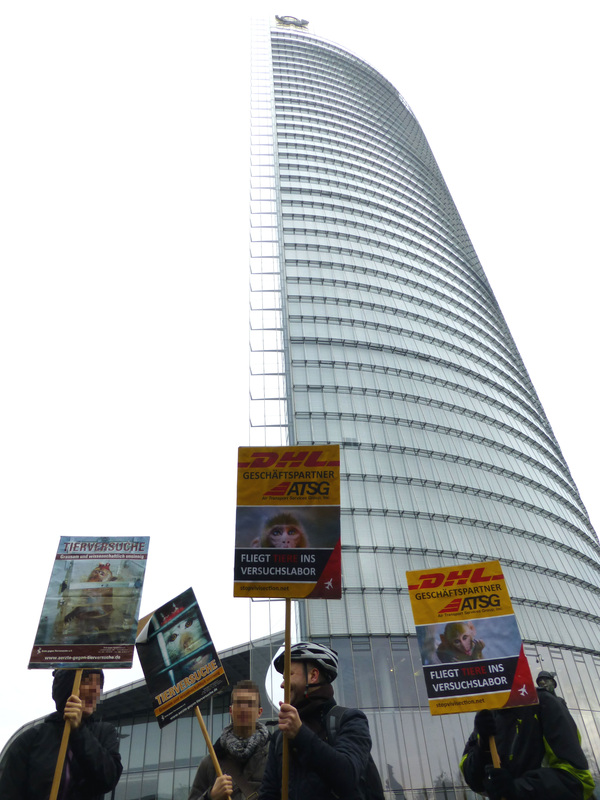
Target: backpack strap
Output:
{"points": [[333, 722], [369, 784]]}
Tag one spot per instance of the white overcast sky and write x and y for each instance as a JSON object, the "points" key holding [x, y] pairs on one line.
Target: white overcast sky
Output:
{"points": [[124, 261]]}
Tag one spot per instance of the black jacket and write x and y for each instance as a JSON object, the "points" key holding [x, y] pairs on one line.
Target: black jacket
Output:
{"points": [[539, 746], [31, 760], [318, 770], [252, 770]]}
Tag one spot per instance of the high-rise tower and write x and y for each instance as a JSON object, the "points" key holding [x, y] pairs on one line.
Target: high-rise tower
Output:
{"points": [[373, 325]]}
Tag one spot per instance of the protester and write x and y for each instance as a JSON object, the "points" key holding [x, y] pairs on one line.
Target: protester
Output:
{"points": [[546, 680], [539, 750], [241, 751], [92, 765], [319, 769]]}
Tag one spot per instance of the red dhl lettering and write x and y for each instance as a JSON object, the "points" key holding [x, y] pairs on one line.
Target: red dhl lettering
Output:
{"points": [[290, 459], [435, 580]]}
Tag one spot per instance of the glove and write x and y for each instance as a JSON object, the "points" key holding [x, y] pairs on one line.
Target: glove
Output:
{"points": [[485, 724], [499, 784]]}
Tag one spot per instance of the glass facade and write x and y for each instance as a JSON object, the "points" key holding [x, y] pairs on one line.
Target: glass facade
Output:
{"points": [[373, 325]]}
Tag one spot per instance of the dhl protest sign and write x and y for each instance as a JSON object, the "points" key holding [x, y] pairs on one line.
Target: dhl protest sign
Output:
{"points": [[469, 640], [89, 616], [180, 663], [288, 522]]}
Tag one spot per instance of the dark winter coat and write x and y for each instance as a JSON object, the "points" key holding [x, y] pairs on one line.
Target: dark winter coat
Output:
{"points": [[539, 746], [252, 770], [319, 770], [95, 765]]}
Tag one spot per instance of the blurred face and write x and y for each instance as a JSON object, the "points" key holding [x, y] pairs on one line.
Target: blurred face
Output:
{"points": [[300, 676], [245, 711], [89, 693], [546, 683]]}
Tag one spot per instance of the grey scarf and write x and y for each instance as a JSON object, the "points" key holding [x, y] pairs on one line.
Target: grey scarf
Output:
{"points": [[243, 749]]}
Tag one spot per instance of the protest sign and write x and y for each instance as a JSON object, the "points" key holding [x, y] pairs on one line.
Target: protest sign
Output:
{"points": [[89, 616], [180, 663], [288, 522], [469, 640]]}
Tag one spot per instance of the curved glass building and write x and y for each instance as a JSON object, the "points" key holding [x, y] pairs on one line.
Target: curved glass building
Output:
{"points": [[373, 325]]}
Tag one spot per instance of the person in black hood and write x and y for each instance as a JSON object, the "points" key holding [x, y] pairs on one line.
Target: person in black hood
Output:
{"points": [[92, 764], [539, 749]]}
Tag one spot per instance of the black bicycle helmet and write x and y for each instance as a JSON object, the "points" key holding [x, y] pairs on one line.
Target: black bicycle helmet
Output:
{"points": [[324, 657]]}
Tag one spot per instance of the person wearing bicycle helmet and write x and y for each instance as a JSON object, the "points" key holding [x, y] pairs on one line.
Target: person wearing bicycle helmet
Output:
{"points": [[318, 767]]}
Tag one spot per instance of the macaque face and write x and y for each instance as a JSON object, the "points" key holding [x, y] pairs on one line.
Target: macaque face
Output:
{"points": [[285, 536], [463, 640], [100, 574], [184, 639]]}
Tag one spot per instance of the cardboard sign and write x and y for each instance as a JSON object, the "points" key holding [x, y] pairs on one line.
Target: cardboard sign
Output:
{"points": [[288, 522], [89, 616], [469, 640], [180, 663]]}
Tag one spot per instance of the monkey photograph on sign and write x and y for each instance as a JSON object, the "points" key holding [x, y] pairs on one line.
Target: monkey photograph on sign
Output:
{"points": [[468, 640], [290, 527], [459, 642], [182, 641], [94, 601], [97, 602], [282, 530]]}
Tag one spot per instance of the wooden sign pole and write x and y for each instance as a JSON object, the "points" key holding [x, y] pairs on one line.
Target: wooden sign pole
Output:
{"points": [[287, 663], [211, 749], [64, 742], [494, 752]]}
